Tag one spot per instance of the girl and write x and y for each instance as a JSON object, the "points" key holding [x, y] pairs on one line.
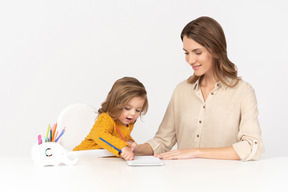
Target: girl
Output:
{"points": [[125, 102]]}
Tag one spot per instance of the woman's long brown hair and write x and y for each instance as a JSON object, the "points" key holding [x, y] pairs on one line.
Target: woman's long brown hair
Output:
{"points": [[209, 33]]}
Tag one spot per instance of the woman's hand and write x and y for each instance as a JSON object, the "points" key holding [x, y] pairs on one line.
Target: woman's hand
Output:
{"points": [[127, 153], [178, 154]]}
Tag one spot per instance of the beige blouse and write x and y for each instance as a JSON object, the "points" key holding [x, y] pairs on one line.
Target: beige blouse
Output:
{"points": [[228, 117]]}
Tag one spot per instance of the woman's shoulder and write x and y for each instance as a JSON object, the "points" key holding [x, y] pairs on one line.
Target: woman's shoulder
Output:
{"points": [[240, 85], [243, 85], [242, 88], [185, 84]]}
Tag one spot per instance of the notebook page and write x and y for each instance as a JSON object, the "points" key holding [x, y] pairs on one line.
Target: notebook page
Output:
{"points": [[145, 161]]}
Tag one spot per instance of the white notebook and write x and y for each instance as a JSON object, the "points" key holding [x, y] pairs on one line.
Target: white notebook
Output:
{"points": [[145, 161]]}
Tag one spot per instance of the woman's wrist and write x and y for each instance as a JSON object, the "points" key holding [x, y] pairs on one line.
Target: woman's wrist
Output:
{"points": [[216, 153], [143, 149], [197, 152]]}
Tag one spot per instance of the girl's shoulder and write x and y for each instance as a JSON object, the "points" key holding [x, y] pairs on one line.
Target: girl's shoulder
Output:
{"points": [[104, 117]]}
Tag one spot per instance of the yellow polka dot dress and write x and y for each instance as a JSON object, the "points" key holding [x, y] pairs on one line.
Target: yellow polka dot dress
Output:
{"points": [[105, 127]]}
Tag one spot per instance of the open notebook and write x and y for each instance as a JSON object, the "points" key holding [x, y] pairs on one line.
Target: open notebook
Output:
{"points": [[145, 161]]}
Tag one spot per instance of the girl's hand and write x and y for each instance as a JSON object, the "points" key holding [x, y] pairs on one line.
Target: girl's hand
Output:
{"points": [[132, 144], [178, 154], [127, 153]]}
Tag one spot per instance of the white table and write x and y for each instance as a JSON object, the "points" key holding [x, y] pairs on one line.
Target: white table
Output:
{"points": [[92, 173]]}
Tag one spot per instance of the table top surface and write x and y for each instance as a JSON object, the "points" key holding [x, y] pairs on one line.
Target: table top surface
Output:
{"points": [[112, 173]]}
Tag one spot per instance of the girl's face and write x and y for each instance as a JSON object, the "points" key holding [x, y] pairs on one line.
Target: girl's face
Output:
{"points": [[198, 57], [131, 111]]}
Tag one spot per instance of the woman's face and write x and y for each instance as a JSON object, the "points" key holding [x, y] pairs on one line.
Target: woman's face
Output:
{"points": [[198, 57]]}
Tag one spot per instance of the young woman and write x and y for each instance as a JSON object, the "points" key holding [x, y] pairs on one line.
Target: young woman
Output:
{"points": [[214, 113]]}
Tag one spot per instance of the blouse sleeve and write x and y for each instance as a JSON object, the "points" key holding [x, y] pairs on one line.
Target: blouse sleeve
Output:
{"points": [[165, 137], [250, 145]]}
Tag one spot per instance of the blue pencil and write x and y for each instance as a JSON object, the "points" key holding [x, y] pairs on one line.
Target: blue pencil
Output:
{"points": [[111, 145], [62, 132]]}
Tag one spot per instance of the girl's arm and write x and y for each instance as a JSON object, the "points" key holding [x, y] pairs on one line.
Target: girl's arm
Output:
{"points": [[103, 129]]}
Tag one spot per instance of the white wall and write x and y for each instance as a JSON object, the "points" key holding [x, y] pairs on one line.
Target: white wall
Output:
{"points": [[55, 53]]}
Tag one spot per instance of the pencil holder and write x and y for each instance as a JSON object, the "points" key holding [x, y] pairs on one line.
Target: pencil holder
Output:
{"points": [[50, 153]]}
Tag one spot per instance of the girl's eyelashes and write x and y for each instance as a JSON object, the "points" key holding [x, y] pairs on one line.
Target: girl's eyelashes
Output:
{"points": [[128, 108]]}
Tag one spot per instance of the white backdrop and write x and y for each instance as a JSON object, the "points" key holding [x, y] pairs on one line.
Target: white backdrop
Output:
{"points": [[55, 53]]}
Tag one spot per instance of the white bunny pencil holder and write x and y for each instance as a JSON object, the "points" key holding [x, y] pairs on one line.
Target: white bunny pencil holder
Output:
{"points": [[50, 153]]}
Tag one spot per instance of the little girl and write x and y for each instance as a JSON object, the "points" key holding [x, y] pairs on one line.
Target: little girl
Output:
{"points": [[125, 102]]}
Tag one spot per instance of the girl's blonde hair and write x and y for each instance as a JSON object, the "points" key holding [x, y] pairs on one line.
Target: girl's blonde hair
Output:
{"points": [[121, 93], [209, 33]]}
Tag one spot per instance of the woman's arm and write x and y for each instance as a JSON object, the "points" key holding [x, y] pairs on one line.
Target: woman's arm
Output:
{"points": [[227, 153], [249, 145], [143, 149]]}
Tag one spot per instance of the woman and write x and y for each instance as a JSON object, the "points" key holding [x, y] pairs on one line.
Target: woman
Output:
{"points": [[214, 113]]}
